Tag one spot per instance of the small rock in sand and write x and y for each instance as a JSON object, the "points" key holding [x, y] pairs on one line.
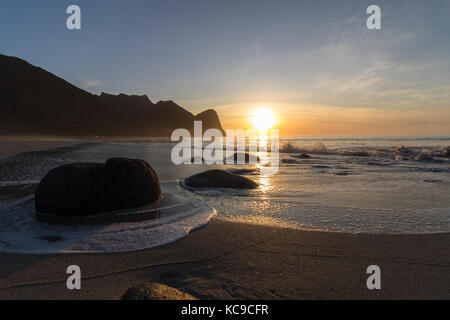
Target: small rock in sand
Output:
{"points": [[155, 291], [404, 150], [357, 153], [302, 156], [290, 161], [423, 157], [447, 152], [398, 157]]}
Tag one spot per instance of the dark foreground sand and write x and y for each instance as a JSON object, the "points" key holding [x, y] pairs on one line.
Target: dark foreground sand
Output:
{"points": [[238, 261]]}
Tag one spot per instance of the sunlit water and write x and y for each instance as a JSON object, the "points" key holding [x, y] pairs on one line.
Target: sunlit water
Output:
{"points": [[347, 185]]}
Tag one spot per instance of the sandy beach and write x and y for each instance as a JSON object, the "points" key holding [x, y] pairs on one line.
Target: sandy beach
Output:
{"points": [[228, 260], [240, 261], [9, 146]]}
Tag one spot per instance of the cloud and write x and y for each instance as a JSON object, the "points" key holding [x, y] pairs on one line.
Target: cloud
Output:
{"points": [[90, 83]]}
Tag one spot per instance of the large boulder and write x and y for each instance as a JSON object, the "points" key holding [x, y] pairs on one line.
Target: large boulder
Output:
{"points": [[219, 179], [130, 183], [155, 291], [89, 188]]}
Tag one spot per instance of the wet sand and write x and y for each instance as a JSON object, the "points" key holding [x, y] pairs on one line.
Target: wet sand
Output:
{"points": [[10, 146], [226, 260]]}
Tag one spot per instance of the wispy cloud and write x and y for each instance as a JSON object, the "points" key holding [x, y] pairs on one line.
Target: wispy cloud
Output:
{"points": [[90, 83]]}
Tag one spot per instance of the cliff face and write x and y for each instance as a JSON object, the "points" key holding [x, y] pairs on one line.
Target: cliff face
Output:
{"points": [[211, 118], [34, 101]]}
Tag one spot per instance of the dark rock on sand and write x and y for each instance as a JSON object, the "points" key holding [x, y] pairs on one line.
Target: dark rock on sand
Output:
{"points": [[290, 161], [423, 157], [130, 183], [357, 153], [303, 156], [404, 150], [89, 188], [381, 164], [51, 238], [428, 180], [447, 152], [342, 173], [219, 179], [398, 157], [155, 291]]}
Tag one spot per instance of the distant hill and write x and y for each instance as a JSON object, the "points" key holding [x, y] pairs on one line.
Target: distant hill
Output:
{"points": [[34, 101]]}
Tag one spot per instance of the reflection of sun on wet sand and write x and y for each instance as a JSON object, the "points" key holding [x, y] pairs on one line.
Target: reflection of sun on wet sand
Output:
{"points": [[243, 261]]}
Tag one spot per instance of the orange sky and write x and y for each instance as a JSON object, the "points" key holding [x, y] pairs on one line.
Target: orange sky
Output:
{"points": [[296, 119]]}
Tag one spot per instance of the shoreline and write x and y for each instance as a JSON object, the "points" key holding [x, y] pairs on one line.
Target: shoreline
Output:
{"points": [[229, 260], [305, 229], [243, 260], [53, 144], [22, 146], [31, 144]]}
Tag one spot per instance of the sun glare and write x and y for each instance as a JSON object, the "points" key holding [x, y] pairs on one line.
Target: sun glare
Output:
{"points": [[263, 120]]}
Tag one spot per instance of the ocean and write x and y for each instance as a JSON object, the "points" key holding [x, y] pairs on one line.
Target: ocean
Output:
{"points": [[391, 185]]}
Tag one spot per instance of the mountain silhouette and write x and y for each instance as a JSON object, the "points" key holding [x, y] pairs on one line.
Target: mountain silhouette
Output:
{"points": [[34, 101]]}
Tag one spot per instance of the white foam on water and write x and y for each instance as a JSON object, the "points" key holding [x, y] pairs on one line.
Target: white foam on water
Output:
{"points": [[20, 232], [18, 182], [349, 185]]}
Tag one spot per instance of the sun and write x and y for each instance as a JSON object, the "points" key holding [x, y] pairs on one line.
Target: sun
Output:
{"points": [[263, 120]]}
